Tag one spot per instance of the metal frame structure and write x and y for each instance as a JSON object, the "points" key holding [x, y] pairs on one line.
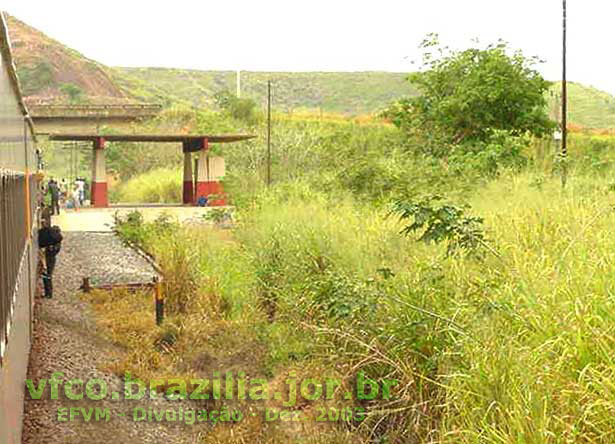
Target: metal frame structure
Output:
{"points": [[209, 169]]}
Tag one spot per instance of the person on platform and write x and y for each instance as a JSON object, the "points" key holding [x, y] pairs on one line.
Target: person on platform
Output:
{"points": [[63, 190], [49, 239], [76, 197], [81, 186], [54, 190]]}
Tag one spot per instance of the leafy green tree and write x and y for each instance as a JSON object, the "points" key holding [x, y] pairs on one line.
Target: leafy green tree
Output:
{"points": [[238, 108], [467, 96]]}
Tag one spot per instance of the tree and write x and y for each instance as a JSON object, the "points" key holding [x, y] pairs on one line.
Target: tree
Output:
{"points": [[238, 108], [467, 96]]}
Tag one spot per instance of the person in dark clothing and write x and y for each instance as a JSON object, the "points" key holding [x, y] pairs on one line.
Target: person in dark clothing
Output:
{"points": [[54, 190], [202, 201], [49, 238]]}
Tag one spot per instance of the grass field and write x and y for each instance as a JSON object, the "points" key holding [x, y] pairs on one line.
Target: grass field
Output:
{"points": [[315, 280], [514, 347]]}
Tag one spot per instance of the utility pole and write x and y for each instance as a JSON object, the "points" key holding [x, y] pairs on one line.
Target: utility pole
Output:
{"points": [[564, 106], [269, 133]]}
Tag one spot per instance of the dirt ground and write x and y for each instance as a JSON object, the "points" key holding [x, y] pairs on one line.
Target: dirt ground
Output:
{"points": [[66, 340]]}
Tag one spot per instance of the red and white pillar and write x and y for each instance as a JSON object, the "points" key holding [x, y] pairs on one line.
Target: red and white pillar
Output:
{"points": [[99, 175], [215, 173], [201, 188], [209, 172], [188, 194]]}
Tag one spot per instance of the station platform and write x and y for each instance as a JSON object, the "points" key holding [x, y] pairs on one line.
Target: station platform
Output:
{"points": [[90, 219]]}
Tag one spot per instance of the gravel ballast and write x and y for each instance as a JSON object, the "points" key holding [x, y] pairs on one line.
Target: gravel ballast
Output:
{"points": [[66, 340]]}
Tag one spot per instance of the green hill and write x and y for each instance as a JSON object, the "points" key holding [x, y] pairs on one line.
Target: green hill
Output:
{"points": [[341, 92], [587, 106], [51, 72]]}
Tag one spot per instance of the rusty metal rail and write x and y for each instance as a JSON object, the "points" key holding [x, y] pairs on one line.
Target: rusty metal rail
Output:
{"points": [[155, 286], [86, 287], [18, 240], [12, 242], [52, 111]]}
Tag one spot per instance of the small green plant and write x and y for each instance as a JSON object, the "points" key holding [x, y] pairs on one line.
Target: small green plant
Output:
{"points": [[218, 215], [129, 227], [342, 297], [164, 223], [442, 222]]}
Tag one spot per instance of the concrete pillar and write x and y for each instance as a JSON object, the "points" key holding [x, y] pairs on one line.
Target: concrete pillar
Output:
{"points": [[202, 189], [188, 194], [99, 175], [210, 170], [215, 173], [195, 173]]}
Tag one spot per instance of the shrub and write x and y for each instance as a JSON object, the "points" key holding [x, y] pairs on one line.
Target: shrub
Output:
{"points": [[467, 95], [238, 108], [488, 158], [442, 223]]}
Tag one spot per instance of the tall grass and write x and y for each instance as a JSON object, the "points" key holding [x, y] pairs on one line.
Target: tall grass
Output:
{"points": [[516, 346], [536, 370], [511, 348], [156, 186]]}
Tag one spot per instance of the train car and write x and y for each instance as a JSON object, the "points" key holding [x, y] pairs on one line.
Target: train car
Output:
{"points": [[19, 221]]}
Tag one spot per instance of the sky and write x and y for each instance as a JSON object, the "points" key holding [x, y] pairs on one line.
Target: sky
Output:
{"points": [[324, 35]]}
